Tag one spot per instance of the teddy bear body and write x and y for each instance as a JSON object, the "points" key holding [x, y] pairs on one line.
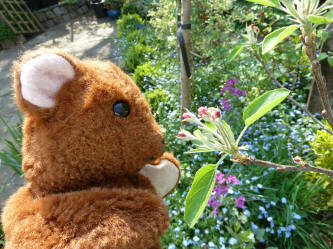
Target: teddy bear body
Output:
{"points": [[93, 156]]}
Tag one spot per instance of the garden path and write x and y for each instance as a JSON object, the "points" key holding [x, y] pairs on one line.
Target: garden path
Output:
{"points": [[83, 37]]}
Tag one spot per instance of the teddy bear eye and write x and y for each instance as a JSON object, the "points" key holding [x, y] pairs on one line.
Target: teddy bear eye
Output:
{"points": [[121, 109]]}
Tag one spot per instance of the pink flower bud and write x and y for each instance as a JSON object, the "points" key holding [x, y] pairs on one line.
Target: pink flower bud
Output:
{"points": [[252, 25], [181, 134], [297, 159], [202, 111], [215, 114], [186, 115]]}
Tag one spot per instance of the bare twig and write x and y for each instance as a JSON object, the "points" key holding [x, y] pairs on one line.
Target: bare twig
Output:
{"points": [[310, 50], [247, 160], [197, 55], [303, 108]]}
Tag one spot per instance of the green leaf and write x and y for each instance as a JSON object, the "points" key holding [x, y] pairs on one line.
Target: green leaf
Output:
{"points": [[277, 36], [324, 35], [264, 103], [259, 233], [271, 3], [210, 125], [320, 19], [199, 194], [199, 150], [330, 61], [322, 56], [235, 52]]}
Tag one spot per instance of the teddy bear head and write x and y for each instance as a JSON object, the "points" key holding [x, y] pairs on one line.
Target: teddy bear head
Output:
{"points": [[84, 121]]}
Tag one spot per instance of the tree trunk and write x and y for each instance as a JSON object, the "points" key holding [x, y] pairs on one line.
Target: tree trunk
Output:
{"points": [[314, 102], [186, 86]]}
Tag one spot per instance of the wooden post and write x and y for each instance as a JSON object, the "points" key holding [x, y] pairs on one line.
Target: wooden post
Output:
{"points": [[186, 86]]}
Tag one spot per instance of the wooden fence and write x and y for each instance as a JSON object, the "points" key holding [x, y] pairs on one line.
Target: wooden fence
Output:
{"points": [[17, 15]]}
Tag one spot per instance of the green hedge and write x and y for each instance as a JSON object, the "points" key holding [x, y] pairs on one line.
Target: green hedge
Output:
{"points": [[6, 33]]}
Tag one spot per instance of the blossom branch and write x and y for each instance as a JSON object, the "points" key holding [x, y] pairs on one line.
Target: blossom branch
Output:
{"points": [[270, 74], [247, 160]]}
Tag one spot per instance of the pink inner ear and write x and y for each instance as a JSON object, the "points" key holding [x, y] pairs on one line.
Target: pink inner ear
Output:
{"points": [[42, 77]]}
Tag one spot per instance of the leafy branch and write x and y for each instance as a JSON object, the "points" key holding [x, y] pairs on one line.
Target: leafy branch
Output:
{"points": [[291, 99], [307, 14], [214, 134]]}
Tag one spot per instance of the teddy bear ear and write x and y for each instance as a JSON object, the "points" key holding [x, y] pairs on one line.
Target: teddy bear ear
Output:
{"points": [[41, 77]]}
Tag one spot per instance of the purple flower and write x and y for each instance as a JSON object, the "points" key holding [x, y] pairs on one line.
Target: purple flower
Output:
{"points": [[235, 92], [231, 81], [232, 179], [215, 211], [240, 202], [226, 88], [220, 178], [224, 189], [213, 202], [225, 104]]}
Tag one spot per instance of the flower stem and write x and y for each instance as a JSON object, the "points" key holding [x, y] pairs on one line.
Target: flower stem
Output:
{"points": [[241, 134]]}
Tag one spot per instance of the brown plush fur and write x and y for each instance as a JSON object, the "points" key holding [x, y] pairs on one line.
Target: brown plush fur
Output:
{"points": [[82, 163]]}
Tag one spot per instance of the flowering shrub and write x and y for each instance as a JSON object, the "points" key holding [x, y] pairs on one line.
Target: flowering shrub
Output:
{"points": [[229, 87], [214, 134], [221, 189]]}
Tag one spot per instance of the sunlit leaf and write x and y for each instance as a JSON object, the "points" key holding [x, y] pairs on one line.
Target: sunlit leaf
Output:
{"points": [[322, 56], [235, 52], [271, 3], [210, 125], [264, 103], [199, 194], [276, 37], [320, 19], [330, 61]]}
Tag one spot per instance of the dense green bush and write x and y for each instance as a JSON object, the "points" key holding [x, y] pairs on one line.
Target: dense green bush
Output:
{"points": [[323, 149], [136, 36], [128, 23], [136, 55], [146, 75], [6, 33], [140, 7], [158, 101]]}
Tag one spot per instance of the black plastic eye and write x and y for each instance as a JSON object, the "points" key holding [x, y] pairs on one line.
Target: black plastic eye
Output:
{"points": [[121, 109]]}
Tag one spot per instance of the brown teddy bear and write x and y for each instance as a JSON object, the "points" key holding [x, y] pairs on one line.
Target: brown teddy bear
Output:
{"points": [[93, 156]]}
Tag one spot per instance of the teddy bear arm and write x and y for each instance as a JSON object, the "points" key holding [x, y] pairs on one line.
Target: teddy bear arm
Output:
{"points": [[164, 173], [95, 218]]}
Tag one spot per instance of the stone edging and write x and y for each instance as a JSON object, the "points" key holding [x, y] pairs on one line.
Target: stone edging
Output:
{"points": [[60, 13]]}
